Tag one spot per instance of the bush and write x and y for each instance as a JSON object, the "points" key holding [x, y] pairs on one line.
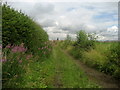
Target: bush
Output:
{"points": [[18, 28], [84, 41], [114, 61]]}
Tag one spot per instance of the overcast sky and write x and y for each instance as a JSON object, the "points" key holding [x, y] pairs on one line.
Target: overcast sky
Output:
{"points": [[59, 18]]}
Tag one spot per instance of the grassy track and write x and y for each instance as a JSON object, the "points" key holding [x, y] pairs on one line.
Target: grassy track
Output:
{"points": [[71, 76], [57, 72]]}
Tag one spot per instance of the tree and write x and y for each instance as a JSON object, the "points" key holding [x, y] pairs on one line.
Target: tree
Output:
{"points": [[83, 40]]}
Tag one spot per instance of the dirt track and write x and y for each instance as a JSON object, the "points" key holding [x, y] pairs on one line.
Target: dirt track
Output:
{"points": [[100, 78]]}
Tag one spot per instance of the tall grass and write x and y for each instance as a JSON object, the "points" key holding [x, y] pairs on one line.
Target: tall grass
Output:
{"points": [[103, 56]]}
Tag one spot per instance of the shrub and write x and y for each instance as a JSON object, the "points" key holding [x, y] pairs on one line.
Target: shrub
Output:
{"points": [[18, 28], [114, 61], [84, 41]]}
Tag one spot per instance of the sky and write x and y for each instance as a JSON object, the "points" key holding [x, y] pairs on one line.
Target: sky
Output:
{"points": [[62, 17]]}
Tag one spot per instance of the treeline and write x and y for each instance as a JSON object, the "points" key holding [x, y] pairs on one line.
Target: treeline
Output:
{"points": [[105, 57]]}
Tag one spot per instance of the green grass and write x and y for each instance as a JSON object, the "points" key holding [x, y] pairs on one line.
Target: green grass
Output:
{"points": [[58, 71], [71, 75], [39, 74]]}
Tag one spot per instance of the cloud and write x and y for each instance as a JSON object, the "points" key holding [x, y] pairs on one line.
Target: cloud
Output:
{"points": [[62, 18], [47, 23], [40, 10], [62, 0], [113, 29], [110, 34]]}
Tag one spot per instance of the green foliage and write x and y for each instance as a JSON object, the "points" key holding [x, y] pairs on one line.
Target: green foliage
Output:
{"points": [[18, 28], [13, 67], [76, 52], [104, 57], [115, 54], [114, 61], [84, 41]]}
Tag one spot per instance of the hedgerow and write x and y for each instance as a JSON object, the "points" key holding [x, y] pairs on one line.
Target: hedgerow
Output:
{"points": [[23, 41], [19, 28]]}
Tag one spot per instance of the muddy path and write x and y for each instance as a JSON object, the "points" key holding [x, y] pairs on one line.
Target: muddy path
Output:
{"points": [[100, 78]]}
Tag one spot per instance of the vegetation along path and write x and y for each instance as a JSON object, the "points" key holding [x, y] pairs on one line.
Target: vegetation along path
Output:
{"points": [[63, 71], [100, 78]]}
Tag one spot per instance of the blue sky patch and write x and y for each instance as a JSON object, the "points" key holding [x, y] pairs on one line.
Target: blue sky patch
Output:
{"points": [[106, 16]]}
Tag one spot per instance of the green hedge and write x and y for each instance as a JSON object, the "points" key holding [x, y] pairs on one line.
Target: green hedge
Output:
{"points": [[18, 28]]}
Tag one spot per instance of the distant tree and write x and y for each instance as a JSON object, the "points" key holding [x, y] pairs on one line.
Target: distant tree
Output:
{"points": [[68, 38], [83, 40]]}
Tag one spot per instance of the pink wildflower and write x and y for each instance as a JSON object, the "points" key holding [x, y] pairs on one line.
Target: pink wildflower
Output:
{"points": [[19, 49], [8, 46], [20, 61], [15, 49]]}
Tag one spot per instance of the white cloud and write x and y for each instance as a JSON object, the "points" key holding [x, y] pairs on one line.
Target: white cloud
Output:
{"points": [[113, 29], [63, 0], [62, 18], [110, 34]]}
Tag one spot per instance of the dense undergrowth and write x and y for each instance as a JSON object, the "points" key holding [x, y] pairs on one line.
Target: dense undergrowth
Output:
{"points": [[103, 56]]}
